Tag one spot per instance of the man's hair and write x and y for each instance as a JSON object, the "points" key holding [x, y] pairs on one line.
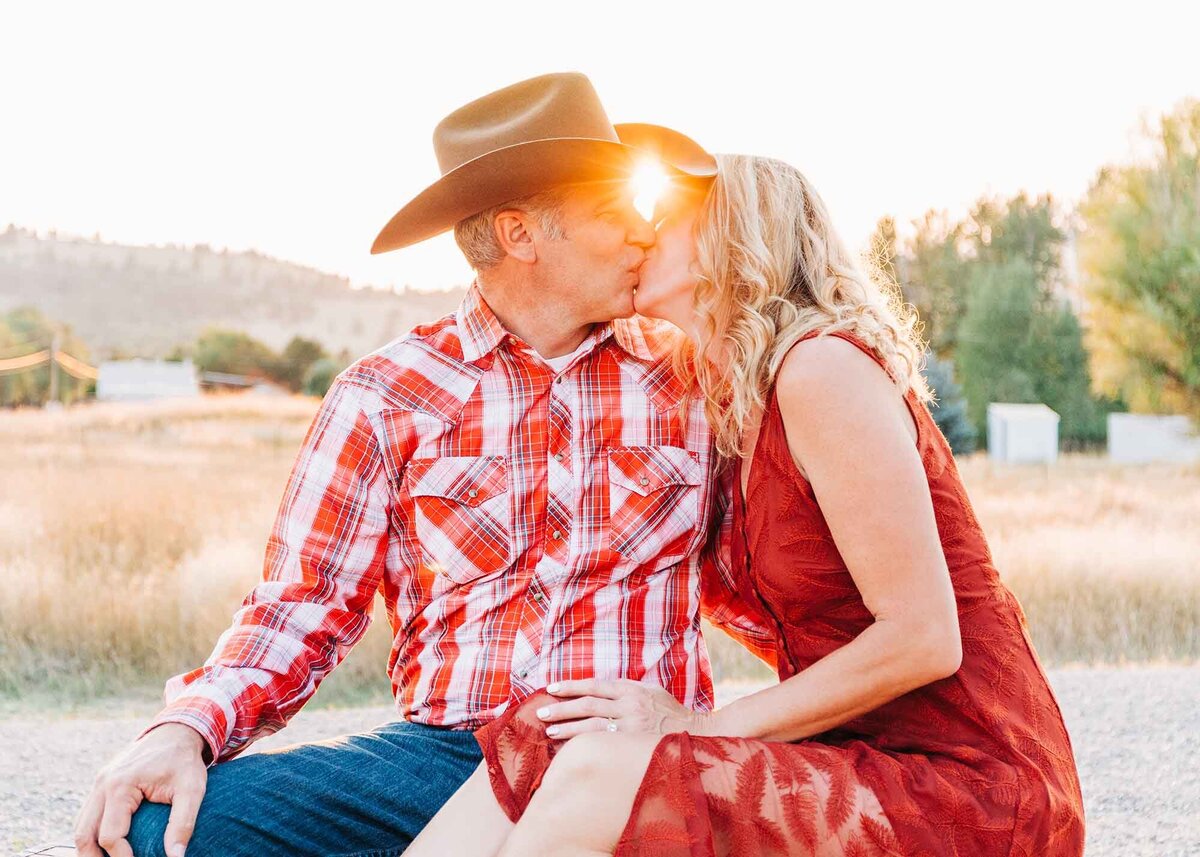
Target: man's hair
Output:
{"points": [[476, 235]]}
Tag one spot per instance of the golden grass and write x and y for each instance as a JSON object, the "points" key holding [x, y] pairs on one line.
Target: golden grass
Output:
{"points": [[130, 533]]}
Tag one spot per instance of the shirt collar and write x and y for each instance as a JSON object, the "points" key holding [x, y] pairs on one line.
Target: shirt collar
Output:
{"points": [[480, 331], [630, 335]]}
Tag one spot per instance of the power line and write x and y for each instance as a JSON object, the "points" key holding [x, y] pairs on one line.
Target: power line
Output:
{"points": [[17, 364], [73, 366], [76, 368]]}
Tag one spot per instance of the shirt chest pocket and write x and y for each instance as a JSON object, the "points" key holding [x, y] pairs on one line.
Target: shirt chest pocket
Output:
{"points": [[654, 502], [462, 514]]}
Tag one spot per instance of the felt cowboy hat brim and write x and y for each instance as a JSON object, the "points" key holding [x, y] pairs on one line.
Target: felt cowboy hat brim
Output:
{"points": [[528, 168], [529, 137]]}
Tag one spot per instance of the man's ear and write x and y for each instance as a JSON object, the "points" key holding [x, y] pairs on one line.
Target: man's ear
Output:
{"points": [[514, 235]]}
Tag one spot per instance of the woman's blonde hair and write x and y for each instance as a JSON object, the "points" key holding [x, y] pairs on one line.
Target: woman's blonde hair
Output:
{"points": [[772, 269]]}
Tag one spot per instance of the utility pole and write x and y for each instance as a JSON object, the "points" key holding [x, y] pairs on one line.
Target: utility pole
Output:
{"points": [[55, 345]]}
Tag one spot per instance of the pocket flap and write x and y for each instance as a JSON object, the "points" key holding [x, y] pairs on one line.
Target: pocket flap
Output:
{"points": [[466, 479], [646, 469]]}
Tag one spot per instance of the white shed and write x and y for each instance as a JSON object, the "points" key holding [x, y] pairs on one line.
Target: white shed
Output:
{"points": [[1021, 434], [131, 380], [1145, 438]]}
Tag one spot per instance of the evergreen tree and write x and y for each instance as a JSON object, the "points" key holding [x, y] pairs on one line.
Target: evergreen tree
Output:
{"points": [[950, 409], [1017, 344], [994, 347]]}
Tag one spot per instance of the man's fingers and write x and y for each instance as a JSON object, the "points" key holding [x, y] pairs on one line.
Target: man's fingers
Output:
{"points": [[577, 709], [87, 825], [119, 807], [185, 805]]}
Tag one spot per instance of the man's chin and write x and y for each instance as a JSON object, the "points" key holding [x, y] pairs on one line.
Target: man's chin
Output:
{"points": [[625, 308]]}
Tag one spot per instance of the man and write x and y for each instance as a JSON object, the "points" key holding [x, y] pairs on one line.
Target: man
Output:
{"points": [[518, 479]]}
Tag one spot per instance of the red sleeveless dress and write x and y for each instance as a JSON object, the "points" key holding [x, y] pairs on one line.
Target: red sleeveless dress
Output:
{"points": [[974, 765]]}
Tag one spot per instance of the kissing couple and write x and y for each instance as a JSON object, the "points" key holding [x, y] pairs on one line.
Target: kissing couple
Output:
{"points": [[630, 423]]}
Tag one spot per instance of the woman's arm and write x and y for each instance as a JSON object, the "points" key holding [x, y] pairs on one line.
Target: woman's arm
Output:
{"points": [[852, 436], [850, 432]]}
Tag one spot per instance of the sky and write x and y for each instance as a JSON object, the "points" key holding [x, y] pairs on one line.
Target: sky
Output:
{"points": [[298, 129]]}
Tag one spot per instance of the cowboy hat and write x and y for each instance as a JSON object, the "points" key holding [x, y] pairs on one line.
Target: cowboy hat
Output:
{"points": [[526, 138]]}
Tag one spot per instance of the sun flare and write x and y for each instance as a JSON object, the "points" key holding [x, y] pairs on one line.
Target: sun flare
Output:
{"points": [[649, 181]]}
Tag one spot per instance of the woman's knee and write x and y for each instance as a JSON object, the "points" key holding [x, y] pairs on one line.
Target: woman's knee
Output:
{"points": [[595, 756]]}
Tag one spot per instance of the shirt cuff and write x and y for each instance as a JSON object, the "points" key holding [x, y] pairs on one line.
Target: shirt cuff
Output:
{"points": [[202, 714]]}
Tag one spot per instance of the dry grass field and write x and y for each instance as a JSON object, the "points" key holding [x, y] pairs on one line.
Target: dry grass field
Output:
{"points": [[130, 533]]}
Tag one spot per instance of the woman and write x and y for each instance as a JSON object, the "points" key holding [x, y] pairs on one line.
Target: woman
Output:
{"points": [[912, 715]]}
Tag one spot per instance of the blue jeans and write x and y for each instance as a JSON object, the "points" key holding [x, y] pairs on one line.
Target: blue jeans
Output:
{"points": [[362, 795]]}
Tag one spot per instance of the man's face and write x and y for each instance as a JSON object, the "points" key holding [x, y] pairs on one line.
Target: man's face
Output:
{"points": [[592, 272]]}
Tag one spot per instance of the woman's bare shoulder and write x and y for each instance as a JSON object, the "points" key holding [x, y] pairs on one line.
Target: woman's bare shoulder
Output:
{"points": [[830, 372]]}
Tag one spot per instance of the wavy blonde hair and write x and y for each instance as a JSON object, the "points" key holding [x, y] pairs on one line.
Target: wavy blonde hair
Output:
{"points": [[771, 270]]}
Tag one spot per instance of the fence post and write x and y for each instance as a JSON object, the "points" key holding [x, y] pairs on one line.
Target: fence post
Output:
{"points": [[54, 347]]}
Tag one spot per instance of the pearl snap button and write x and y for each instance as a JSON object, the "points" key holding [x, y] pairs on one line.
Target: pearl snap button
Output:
{"points": [[643, 481], [472, 493]]}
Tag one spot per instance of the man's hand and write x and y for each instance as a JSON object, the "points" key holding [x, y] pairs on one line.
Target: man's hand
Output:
{"points": [[166, 765]]}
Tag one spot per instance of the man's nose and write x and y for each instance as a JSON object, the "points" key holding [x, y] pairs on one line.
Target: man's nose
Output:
{"points": [[641, 233]]}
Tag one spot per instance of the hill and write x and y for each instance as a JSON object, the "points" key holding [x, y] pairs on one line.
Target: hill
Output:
{"points": [[125, 300]]}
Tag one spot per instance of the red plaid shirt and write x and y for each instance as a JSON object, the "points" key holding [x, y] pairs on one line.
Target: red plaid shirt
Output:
{"points": [[525, 526]]}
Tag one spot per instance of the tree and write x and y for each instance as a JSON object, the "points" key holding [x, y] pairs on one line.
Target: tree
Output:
{"points": [[1139, 254], [932, 274], [950, 409], [234, 352], [998, 231], [297, 357], [1059, 368], [319, 377], [993, 339], [989, 292], [1018, 344], [936, 264], [25, 331]]}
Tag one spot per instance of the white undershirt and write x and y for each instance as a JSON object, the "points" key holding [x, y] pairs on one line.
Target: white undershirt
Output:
{"points": [[559, 363]]}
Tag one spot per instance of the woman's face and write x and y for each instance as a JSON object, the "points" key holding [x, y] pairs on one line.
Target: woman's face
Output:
{"points": [[667, 284]]}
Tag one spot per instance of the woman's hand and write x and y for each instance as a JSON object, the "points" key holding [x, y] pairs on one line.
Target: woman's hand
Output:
{"points": [[593, 705]]}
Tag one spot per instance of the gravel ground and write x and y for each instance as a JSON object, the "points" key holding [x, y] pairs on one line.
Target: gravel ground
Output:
{"points": [[1136, 733]]}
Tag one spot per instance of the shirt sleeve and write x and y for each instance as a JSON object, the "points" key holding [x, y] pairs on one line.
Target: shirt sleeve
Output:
{"points": [[324, 561], [720, 599]]}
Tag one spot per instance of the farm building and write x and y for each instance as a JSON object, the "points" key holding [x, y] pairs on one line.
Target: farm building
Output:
{"points": [[131, 380], [1145, 438], [1022, 434]]}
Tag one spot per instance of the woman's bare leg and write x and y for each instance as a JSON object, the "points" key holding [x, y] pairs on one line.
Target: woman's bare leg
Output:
{"points": [[585, 799], [470, 823]]}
